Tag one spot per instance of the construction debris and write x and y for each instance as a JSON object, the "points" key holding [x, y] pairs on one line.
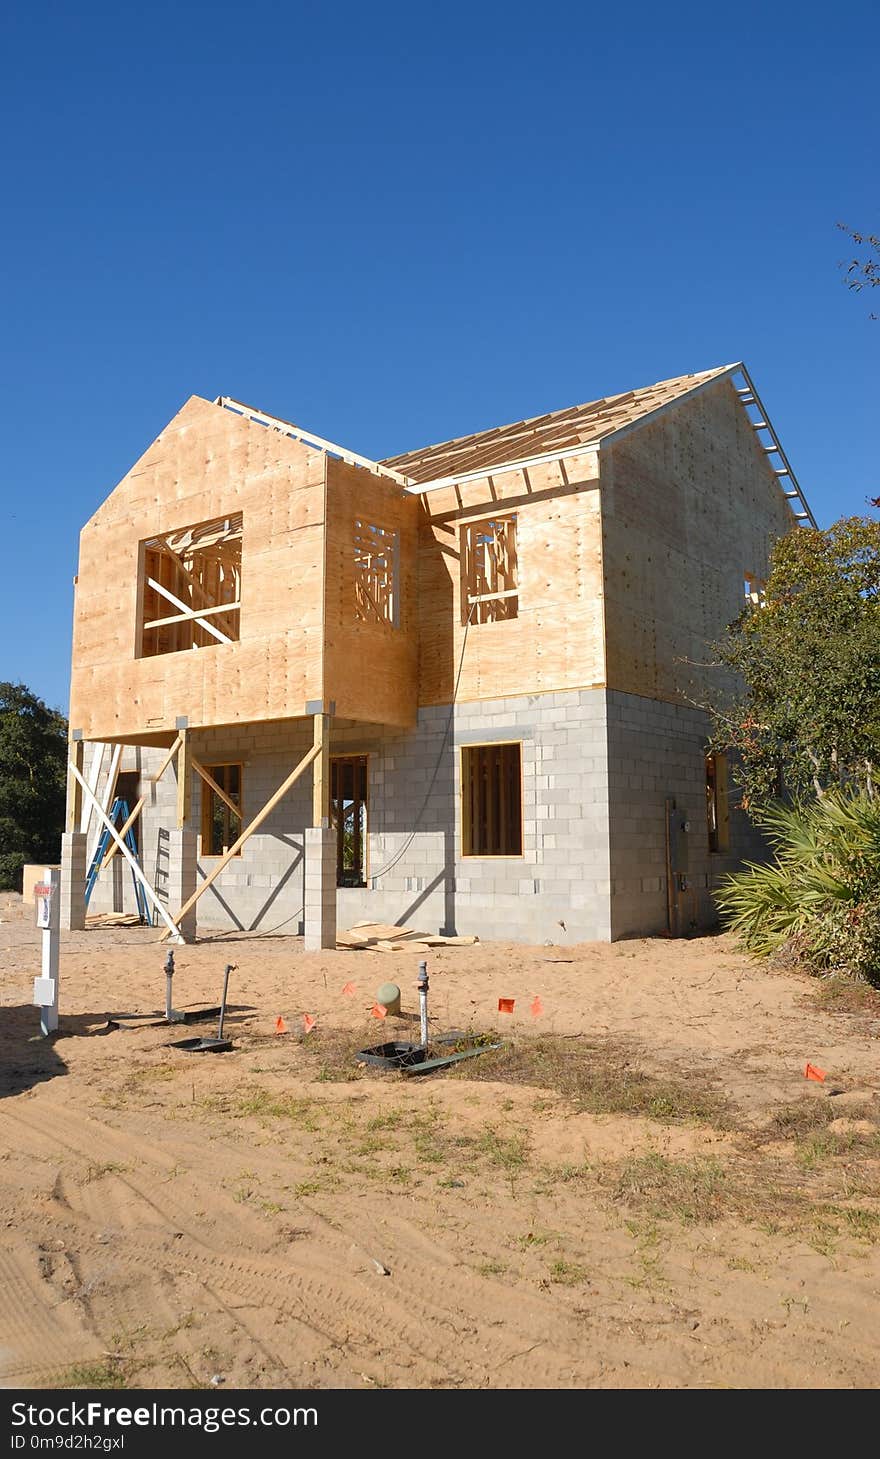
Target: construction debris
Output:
{"points": [[113, 919], [379, 937]]}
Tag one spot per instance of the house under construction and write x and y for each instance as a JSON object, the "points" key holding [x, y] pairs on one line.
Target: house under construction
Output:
{"points": [[455, 688]]}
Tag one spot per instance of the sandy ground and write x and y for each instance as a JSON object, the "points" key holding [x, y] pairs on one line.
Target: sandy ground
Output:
{"points": [[277, 1216]]}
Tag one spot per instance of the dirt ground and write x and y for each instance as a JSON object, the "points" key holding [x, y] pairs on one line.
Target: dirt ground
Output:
{"points": [[640, 1190]]}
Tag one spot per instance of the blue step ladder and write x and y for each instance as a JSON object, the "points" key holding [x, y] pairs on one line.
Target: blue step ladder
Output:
{"points": [[119, 814]]}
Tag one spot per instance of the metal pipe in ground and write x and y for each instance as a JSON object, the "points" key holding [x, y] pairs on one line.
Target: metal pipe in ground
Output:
{"points": [[229, 968], [423, 1002], [169, 976]]}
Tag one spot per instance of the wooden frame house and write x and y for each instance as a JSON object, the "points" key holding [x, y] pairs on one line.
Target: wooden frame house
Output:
{"points": [[453, 689]]}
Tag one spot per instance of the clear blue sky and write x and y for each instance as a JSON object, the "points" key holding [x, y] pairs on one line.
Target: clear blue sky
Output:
{"points": [[393, 224]]}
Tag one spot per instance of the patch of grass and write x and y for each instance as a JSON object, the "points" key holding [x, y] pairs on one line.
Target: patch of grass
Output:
{"points": [[803, 1117], [839, 993], [307, 1114], [859, 1221], [601, 1077], [371, 1145], [566, 1174], [492, 1268], [110, 1167], [807, 1121], [568, 1273], [108, 1374], [338, 1074], [314, 1187], [391, 1119], [509, 1152], [650, 1276], [768, 1194], [537, 1238], [333, 1054], [691, 1191], [816, 1149]]}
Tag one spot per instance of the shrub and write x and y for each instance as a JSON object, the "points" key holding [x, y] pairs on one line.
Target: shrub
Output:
{"points": [[818, 900]]}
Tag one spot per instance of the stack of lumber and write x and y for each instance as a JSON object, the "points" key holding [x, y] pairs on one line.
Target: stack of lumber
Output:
{"points": [[378, 937], [113, 919]]}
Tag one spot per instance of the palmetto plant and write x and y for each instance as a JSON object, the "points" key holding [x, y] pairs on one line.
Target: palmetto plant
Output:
{"points": [[819, 898]]}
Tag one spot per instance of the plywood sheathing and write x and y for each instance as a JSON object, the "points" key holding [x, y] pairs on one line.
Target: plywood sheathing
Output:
{"points": [[556, 640], [207, 463], [679, 495], [369, 668]]}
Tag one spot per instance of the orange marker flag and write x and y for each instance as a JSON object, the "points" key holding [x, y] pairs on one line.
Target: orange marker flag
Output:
{"points": [[811, 1071], [536, 1008], [505, 1005], [379, 1010], [280, 1025], [349, 990], [309, 1021]]}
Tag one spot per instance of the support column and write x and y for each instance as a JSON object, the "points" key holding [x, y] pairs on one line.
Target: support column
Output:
{"points": [[73, 881], [184, 777], [76, 753], [182, 874], [320, 848], [320, 888]]}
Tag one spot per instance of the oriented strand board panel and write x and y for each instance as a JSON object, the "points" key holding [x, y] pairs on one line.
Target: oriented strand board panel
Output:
{"points": [[690, 505], [207, 463], [370, 663], [556, 639]]}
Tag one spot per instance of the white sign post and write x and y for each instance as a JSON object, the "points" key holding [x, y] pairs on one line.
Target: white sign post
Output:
{"points": [[47, 894]]}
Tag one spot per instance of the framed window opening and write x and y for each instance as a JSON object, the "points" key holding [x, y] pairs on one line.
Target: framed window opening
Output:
{"points": [[489, 570], [717, 809], [189, 588], [349, 800], [491, 800], [376, 574], [222, 821]]}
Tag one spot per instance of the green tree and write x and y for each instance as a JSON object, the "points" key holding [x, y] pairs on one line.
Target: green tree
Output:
{"points": [[33, 777], [807, 663]]}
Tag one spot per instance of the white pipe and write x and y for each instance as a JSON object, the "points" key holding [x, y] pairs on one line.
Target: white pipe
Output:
{"points": [[423, 1002]]}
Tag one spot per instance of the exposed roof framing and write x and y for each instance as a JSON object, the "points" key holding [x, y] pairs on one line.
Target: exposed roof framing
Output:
{"points": [[582, 428], [552, 437], [544, 437], [308, 438]]}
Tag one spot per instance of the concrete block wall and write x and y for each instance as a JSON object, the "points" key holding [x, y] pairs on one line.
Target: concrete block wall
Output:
{"points": [[597, 769], [416, 873], [656, 751]]}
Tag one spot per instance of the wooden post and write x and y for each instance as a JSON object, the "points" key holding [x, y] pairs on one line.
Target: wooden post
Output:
{"points": [[106, 821], [76, 752], [255, 824], [184, 779], [321, 772]]}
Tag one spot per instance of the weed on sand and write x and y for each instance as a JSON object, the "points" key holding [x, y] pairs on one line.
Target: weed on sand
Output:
{"points": [[601, 1077]]}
